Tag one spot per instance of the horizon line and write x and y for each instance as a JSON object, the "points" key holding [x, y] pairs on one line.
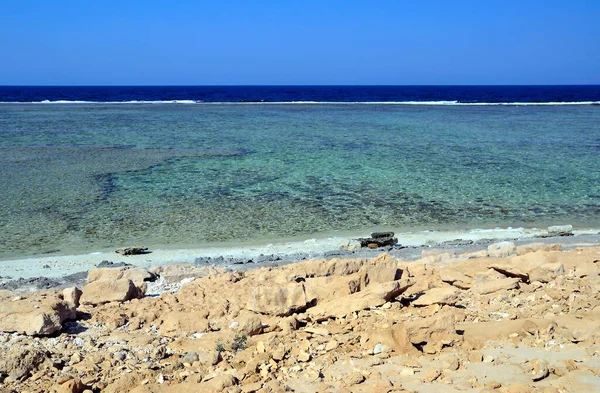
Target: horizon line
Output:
{"points": [[312, 85]]}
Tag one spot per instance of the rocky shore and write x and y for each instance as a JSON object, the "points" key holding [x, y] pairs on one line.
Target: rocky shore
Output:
{"points": [[506, 318]]}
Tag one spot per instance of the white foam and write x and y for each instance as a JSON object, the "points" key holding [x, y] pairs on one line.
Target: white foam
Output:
{"points": [[425, 103], [104, 102]]}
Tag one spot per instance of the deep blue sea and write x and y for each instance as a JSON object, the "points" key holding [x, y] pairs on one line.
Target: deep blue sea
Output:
{"points": [[90, 168], [391, 94]]}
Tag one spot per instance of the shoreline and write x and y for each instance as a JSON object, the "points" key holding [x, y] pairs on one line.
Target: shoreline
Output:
{"points": [[70, 269]]}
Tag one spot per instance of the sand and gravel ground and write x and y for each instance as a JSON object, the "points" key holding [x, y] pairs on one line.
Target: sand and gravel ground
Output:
{"points": [[521, 317]]}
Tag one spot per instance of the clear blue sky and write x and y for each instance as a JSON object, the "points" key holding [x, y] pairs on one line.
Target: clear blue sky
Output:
{"points": [[196, 42]]}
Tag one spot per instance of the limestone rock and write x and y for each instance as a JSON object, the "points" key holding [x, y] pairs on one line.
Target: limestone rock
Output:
{"points": [[135, 274], [72, 295], [484, 288], [321, 289], [354, 378], [501, 250], [438, 330], [217, 384], [20, 363], [249, 323], [533, 247], [587, 270], [539, 369], [41, 317], [396, 337], [288, 324], [446, 295], [452, 275], [475, 357], [450, 362], [71, 386], [100, 292], [374, 296], [277, 300], [510, 270], [178, 322], [383, 268], [251, 387], [547, 272]]}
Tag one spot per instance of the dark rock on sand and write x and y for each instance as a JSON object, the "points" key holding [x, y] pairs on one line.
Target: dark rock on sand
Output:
{"points": [[132, 251], [382, 235], [112, 264], [35, 283], [457, 242], [337, 253], [267, 258], [260, 259], [378, 239]]}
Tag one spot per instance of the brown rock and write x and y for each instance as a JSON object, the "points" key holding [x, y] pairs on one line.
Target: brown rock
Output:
{"points": [[303, 356], [217, 384], [184, 323], [475, 357], [587, 270], [510, 270], [41, 316], [72, 295], [534, 247], [277, 300], [321, 289], [521, 265], [539, 369], [374, 296], [100, 292], [279, 352], [19, 363], [446, 295], [288, 324], [436, 331], [395, 337], [250, 323], [383, 268], [452, 275], [493, 385], [251, 387], [354, 378], [484, 288], [135, 274], [547, 272], [431, 376], [70, 386], [451, 362]]}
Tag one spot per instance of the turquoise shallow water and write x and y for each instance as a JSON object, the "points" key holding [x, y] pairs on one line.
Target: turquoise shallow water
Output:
{"points": [[87, 177]]}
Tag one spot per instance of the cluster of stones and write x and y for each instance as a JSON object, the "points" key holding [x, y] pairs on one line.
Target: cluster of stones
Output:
{"points": [[378, 239], [506, 319]]}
